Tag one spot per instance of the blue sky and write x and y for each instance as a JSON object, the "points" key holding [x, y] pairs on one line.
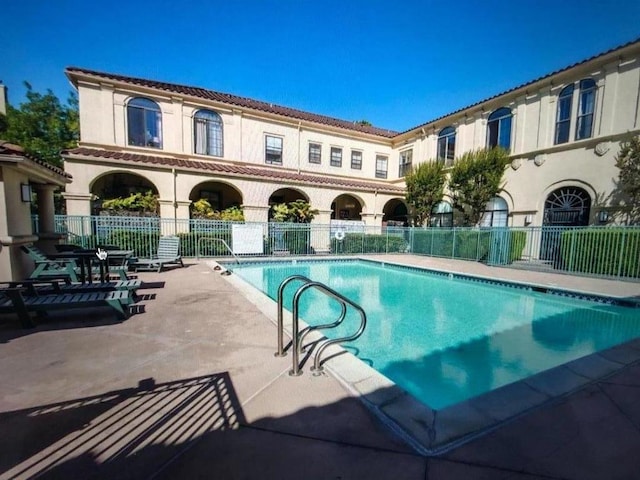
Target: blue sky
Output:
{"points": [[395, 64]]}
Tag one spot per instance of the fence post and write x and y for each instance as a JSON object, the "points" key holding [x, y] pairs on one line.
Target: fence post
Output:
{"points": [[621, 255], [453, 244]]}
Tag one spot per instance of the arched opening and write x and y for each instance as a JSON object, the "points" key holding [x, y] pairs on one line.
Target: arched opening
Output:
{"points": [[219, 195], [567, 206], [564, 207], [346, 207], [119, 185], [285, 195], [496, 213], [395, 213]]}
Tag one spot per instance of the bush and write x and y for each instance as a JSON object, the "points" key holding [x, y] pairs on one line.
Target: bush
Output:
{"points": [[516, 247], [364, 243], [610, 251]]}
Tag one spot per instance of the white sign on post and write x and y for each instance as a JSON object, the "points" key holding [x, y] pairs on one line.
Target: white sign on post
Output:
{"points": [[247, 238]]}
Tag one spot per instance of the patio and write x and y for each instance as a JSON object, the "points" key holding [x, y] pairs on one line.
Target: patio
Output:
{"points": [[189, 388]]}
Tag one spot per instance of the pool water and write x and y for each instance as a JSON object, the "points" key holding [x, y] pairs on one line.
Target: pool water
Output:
{"points": [[446, 339]]}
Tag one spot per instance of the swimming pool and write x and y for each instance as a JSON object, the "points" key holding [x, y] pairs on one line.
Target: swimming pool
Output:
{"points": [[446, 339]]}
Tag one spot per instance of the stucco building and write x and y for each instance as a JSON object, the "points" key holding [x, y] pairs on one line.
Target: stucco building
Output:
{"points": [[184, 143]]}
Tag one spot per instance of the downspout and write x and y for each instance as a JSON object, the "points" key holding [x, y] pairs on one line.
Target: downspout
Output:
{"points": [[175, 201], [299, 142]]}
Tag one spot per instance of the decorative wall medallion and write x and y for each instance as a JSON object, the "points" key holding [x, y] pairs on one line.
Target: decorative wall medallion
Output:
{"points": [[516, 163], [539, 159], [602, 148]]}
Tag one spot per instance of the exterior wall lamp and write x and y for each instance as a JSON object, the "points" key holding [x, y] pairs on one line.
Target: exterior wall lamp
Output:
{"points": [[603, 216], [25, 192]]}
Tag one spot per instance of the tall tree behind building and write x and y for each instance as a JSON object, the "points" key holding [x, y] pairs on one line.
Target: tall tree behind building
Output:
{"points": [[42, 125]]}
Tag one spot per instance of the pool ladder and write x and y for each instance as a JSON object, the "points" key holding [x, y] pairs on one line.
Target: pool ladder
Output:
{"points": [[298, 337]]}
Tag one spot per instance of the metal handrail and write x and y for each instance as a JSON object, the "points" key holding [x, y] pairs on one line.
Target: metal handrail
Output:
{"points": [[295, 371], [285, 282], [215, 240]]}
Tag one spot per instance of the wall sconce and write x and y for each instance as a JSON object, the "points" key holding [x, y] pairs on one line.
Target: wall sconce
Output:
{"points": [[528, 219], [603, 216], [25, 192]]}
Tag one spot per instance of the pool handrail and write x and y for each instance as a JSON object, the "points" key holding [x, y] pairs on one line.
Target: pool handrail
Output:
{"points": [[215, 240], [295, 370]]}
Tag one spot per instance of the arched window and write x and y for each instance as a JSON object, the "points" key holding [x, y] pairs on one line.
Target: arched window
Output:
{"points": [[586, 106], [207, 127], [446, 145], [495, 213], [499, 129], [144, 123], [442, 215], [563, 115]]}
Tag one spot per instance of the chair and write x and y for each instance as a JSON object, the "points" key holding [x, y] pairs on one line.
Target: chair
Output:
{"points": [[15, 300], [168, 253], [34, 287], [46, 267]]}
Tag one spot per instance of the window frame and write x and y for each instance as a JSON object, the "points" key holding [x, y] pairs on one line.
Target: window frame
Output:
{"points": [[488, 217], [312, 154], [446, 143], [333, 158], [379, 172], [404, 166], [580, 116], [500, 116], [356, 165], [565, 97], [268, 136], [150, 107], [216, 150]]}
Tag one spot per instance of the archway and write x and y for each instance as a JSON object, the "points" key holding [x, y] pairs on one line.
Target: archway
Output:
{"points": [[285, 195], [346, 207], [567, 206], [395, 213], [119, 185], [564, 207], [219, 195]]}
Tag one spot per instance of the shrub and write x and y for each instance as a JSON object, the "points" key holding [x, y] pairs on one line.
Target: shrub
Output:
{"points": [[610, 251], [365, 243]]}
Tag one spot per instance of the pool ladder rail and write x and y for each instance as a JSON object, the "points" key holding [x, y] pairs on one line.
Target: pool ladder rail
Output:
{"points": [[298, 337]]}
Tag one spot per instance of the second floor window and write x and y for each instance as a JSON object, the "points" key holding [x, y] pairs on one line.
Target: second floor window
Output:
{"points": [[207, 127], [586, 106], [406, 159], [273, 150], [336, 157], [563, 115], [381, 166], [499, 129], [144, 123], [356, 159], [447, 145], [315, 153]]}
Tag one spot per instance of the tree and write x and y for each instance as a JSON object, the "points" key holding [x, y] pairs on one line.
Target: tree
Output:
{"points": [[475, 179], [628, 161], [136, 202], [203, 209], [425, 188], [294, 212], [364, 123], [42, 125]]}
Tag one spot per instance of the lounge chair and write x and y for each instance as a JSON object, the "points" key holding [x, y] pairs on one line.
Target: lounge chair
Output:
{"points": [[15, 300], [47, 267], [36, 287], [168, 254]]}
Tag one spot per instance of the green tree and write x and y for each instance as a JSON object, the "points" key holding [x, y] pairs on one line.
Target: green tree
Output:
{"points": [[628, 161], [476, 178], [42, 125], [136, 202], [203, 209], [425, 188], [299, 211]]}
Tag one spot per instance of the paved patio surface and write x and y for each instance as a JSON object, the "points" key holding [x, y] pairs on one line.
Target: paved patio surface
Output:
{"points": [[188, 387]]}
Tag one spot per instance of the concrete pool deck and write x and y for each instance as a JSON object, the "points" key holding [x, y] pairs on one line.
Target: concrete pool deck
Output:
{"points": [[189, 387]]}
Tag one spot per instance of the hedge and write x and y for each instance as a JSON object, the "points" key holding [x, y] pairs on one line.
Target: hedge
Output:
{"points": [[465, 244], [603, 251], [369, 243]]}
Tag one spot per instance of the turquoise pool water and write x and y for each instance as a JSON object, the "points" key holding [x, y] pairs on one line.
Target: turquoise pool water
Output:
{"points": [[444, 339]]}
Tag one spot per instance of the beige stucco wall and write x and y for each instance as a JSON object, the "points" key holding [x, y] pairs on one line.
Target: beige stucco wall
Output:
{"points": [[539, 165]]}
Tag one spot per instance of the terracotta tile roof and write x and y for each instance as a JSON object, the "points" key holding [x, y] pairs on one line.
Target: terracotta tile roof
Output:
{"points": [[236, 170], [7, 148], [236, 100], [556, 72]]}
